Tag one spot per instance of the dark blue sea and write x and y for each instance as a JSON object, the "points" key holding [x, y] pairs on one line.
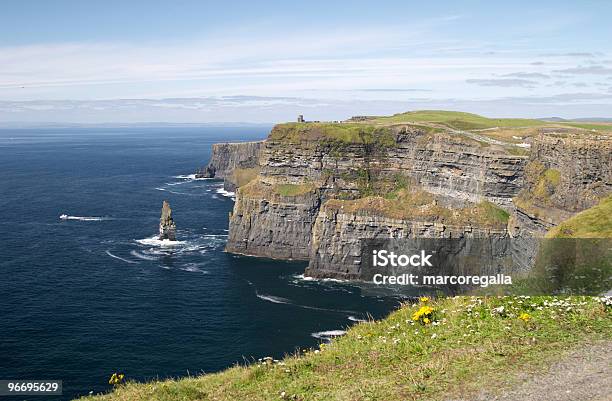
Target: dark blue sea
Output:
{"points": [[96, 294]]}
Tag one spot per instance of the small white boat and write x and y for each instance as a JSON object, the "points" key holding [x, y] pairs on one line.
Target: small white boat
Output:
{"points": [[64, 217]]}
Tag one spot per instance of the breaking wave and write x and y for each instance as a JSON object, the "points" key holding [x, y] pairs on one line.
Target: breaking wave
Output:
{"points": [[227, 194], [155, 241], [191, 177], [329, 280], [328, 335]]}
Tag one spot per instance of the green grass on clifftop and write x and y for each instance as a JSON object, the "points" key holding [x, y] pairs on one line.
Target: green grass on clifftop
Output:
{"points": [[419, 205], [349, 133], [595, 222], [469, 344], [458, 120]]}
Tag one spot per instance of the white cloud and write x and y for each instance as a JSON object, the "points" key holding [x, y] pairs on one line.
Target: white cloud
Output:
{"points": [[387, 68]]}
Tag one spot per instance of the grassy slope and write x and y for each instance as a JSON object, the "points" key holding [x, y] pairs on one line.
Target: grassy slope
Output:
{"points": [[459, 120], [421, 206], [595, 222], [469, 347]]}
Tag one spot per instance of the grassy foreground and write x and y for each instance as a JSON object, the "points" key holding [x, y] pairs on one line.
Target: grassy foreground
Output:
{"points": [[431, 350]]}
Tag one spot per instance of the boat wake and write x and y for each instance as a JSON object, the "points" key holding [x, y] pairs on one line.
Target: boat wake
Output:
{"points": [[84, 218]]}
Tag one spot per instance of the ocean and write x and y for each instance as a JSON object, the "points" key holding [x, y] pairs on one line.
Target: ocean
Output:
{"points": [[83, 298]]}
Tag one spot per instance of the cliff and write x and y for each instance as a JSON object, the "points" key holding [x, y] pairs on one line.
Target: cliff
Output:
{"points": [[565, 174], [232, 162], [288, 211], [319, 189], [337, 248]]}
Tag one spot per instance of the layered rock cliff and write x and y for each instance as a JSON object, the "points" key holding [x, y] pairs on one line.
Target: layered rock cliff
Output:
{"points": [[232, 162], [285, 212], [565, 174], [319, 190]]}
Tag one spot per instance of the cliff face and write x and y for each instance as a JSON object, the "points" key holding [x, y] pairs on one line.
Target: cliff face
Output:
{"points": [[441, 163], [314, 191], [565, 174], [227, 158], [337, 239], [280, 213], [265, 223]]}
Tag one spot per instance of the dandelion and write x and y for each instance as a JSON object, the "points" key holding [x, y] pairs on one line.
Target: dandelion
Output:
{"points": [[424, 299], [525, 317]]}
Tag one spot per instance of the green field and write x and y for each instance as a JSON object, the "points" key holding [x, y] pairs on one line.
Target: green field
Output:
{"points": [[458, 120]]}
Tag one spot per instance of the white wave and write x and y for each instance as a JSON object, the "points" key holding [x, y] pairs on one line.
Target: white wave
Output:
{"points": [[120, 258], [285, 301], [175, 192], [142, 256], [329, 280], [193, 267], [328, 335], [225, 193], [84, 218], [356, 319], [155, 241], [273, 299], [186, 177], [191, 177]]}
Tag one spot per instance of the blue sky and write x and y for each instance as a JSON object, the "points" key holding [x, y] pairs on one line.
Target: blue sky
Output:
{"points": [[197, 61]]}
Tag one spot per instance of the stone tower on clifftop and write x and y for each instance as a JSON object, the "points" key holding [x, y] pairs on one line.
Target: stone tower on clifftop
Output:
{"points": [[167, 228]]}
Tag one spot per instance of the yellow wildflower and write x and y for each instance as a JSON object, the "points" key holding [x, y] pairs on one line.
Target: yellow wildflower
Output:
{"points": [[524, 317], [424, 314], [116, 378], [424, 299]]}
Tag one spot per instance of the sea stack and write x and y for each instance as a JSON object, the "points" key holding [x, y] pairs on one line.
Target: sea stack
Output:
{"points": [[167, 228]]}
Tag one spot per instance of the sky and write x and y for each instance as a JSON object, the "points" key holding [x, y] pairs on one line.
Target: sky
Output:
{"points": [[267, 61]]}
